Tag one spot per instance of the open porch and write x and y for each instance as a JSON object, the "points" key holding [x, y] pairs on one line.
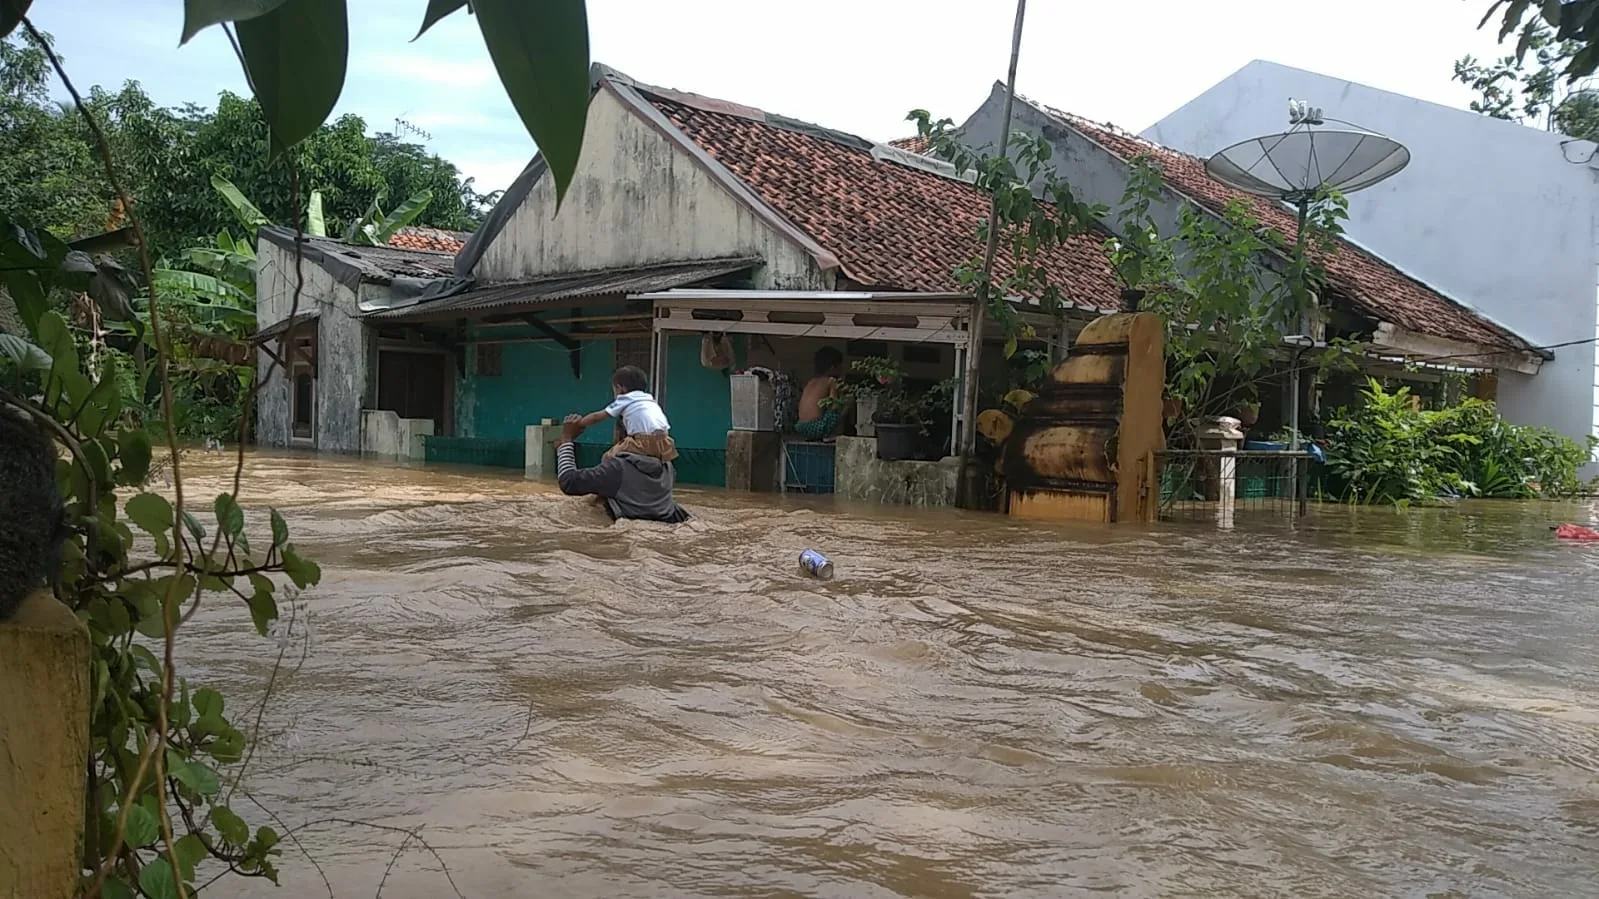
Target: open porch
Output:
{"points": [[932, 339]]}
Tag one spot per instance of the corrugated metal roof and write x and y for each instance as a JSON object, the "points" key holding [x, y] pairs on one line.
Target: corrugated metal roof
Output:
{"points": [[377, 264], [504, 299]]}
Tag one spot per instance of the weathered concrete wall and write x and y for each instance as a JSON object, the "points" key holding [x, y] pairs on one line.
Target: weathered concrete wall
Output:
{"points": [[386, 435], [44, 749], [638, 199], [860, 475], [1499, 215], [344, 351]]}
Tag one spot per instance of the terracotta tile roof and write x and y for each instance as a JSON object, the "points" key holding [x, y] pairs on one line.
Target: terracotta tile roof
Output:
{"points": [[429, 239], [1360, 278], [893, 227], [916, 144]]}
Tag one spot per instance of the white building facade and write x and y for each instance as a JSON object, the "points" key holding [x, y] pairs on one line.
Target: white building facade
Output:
{"points": [[1498, 215]]}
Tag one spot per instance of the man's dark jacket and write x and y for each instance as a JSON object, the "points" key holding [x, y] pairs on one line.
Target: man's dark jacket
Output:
{"points": [[632, 485]]}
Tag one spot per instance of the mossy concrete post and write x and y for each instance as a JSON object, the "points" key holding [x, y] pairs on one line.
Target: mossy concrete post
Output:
{"points": [[44, 749]]}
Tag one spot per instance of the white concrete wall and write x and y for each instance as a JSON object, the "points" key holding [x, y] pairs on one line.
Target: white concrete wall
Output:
{"points": [[344, 352], [1491, 212], [637, 199]]}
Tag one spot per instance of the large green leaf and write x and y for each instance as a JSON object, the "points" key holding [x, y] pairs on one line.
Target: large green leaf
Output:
{"points": [[207, 285], [199, 15], [315, 224], [251, 217], [24, 354], [374, 211], [407, 213], [296, 56], [157, 880], [11, 13], [541, 50], [437, 9]]}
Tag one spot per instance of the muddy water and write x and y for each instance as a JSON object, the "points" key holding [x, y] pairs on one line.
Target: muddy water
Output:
{"points": [[1379, 704]]}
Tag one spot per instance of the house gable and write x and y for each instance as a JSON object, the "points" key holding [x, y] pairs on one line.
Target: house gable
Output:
{"points": [[639, 198]]}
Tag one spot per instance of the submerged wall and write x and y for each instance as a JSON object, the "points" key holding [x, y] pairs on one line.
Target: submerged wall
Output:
{"points": [[860, 475]]}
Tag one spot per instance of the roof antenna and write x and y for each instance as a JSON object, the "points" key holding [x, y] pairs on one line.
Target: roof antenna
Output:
{"points": [[405, 127]]}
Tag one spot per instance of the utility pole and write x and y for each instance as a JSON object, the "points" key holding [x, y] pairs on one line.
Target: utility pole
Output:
{"points": [[968, 435]]}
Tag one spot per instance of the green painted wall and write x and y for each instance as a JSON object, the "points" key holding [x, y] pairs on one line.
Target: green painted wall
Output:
{"points": [[536, 382], [697, 399]]}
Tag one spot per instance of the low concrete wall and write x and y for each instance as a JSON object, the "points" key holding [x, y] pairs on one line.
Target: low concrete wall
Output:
{"points": [[44, 749], [860, 475], [387, 435]]}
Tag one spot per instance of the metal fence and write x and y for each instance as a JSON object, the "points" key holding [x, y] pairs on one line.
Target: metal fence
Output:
{"points": [[1263, 484], [476, 451], [809, 467]]}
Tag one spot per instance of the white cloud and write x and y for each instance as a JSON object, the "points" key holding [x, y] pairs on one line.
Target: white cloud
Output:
{"points": [[493, 173]]}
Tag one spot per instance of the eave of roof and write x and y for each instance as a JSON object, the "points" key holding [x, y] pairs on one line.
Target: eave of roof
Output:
{"points": [[526, 296]]}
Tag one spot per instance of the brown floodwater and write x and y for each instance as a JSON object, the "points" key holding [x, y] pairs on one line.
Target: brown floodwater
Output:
{"points": [[1374, 703]]}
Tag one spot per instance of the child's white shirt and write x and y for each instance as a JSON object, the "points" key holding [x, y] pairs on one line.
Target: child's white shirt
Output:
{"points": [[639, 412]]}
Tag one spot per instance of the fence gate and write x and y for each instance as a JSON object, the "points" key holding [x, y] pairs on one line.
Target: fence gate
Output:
{"points": [[1081, 448], [1222, 485]]}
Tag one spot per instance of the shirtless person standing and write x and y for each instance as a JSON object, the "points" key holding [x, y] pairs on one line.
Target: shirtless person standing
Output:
{"points": [[816, 423]]}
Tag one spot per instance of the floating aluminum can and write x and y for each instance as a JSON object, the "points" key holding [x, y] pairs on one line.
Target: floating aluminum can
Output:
{"points": [[816, 565]]}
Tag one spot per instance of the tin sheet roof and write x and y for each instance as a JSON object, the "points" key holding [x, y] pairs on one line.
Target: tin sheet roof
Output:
{"points": [[509, 298]]}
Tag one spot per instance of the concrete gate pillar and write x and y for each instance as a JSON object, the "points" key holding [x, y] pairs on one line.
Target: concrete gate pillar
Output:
{"points": [[44, 749]]}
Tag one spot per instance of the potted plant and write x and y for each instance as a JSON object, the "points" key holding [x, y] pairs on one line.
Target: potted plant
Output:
{"points": [[1248, 413], [938, 418], [899, 424], [877, 387]]}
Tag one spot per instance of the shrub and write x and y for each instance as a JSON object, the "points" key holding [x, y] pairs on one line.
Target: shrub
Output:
{"points": [[1388, 451]]}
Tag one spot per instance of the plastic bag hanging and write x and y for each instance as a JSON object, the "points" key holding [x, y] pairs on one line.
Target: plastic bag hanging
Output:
{"points": [[716, 351]]}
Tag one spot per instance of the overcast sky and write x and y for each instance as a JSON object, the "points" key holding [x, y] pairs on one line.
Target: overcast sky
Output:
{"points": [[855, 65]]}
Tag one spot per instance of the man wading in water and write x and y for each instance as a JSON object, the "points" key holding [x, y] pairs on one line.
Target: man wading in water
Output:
{"points": [[632, 485]]}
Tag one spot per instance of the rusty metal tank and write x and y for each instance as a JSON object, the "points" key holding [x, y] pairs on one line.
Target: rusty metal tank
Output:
{"points": [[1082, 449]]}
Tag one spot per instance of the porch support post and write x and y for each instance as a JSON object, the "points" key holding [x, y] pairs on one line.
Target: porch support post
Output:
{"points": [[658, 345], [966, 449]]}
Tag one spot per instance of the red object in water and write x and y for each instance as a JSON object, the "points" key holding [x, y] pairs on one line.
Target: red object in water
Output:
{"points": [[1576, 532]]}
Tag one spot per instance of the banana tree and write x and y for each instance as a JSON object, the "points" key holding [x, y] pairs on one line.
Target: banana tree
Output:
{"points": [[374, 228], [253, 219]]}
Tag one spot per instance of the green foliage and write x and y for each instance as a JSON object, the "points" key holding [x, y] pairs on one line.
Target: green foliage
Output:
{"points": [[1531, 91], [49, 172], [1388, 450], [1225, 314], [879, 378], [1030, 224], [296, 51], [130, 588], [1575, 22]]}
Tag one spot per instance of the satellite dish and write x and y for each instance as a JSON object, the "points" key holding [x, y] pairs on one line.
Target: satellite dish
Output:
{"points": [[1293, 165]]}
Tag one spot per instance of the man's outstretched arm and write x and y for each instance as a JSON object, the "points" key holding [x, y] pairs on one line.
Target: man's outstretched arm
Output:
{"points": [[604, 479]]}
